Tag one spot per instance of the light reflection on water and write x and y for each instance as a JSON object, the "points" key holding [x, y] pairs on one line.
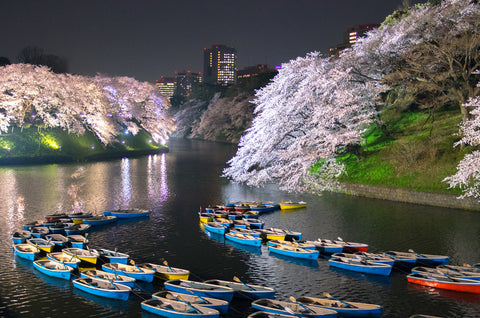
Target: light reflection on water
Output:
{"points": [[174, 185]]}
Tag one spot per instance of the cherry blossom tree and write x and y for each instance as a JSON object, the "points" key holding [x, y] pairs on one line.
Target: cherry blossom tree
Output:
{"points": [[467, 176], [34, 95]]}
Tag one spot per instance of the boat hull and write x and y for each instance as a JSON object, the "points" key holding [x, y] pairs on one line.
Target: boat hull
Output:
{"points": [[158, 307], [376, 269], [42, 266], [244, 239], [26, 251], [460, 285], [200, 289], [296, 253], [121, 293], [145, 275]]}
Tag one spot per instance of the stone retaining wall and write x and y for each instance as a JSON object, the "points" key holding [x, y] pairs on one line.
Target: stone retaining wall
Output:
{"points": [[410, 196]]}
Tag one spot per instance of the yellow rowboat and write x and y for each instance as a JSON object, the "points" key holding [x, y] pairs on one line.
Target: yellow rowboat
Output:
{"points": [[42, 244], [269, 234], [292, 205], [166, 272], [89, 256]]}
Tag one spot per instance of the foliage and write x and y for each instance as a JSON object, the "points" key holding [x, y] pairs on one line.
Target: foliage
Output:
{"points": [[36, 56], [33, 95]]}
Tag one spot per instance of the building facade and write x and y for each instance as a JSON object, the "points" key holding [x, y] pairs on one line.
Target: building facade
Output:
{"points": [[351, 36], [166, 85], [219, 65], [185, 81]]}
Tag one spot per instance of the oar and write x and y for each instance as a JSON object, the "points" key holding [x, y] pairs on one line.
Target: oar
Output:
{"points": [[186, 302], [133, 263], [345, 303], [235, 278], [296, 302], [166, 264]]}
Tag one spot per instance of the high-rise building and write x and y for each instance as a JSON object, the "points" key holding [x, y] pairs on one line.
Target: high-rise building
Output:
{"points": [[185, 81], [166, 85], [219, 65], [358, 31]]}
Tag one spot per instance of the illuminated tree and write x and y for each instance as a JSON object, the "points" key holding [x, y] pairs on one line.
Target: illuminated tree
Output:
{"points": [[33, 95]]}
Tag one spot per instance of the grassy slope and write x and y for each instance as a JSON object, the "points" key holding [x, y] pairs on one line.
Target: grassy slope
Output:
{"points": [[30, 145], [410, 157]]}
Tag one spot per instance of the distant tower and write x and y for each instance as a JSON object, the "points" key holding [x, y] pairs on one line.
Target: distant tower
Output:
{"points": [[166, 85], [185, 81], [358, 31], [219, 65]]}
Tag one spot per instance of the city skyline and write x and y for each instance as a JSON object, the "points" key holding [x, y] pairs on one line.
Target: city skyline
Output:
{"points": [[148, 39]]}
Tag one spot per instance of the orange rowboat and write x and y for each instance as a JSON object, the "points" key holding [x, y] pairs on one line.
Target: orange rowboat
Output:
{"points": [[445, 282]]}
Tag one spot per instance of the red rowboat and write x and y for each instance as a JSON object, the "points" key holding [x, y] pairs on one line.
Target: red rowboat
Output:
{"points": [[445, 282]]}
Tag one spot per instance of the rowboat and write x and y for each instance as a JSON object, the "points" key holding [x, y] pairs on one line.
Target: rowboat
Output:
{"points": [[89, 256], [41, 243], [351, 247], [57, 239], [362, 266], [245, 291], [205, 217], [402, 258], [26, 251], [445, 282], [423, 259], [39, 231], [166, 272], [64, 259], [292, 308], [303, 245], [326, 246], [262, 208], [53, 268], [251, 232], [199, 289], [116, 279], [446, 271], [112, 256], [223, 221], [77, 229], [244, 239], [372, 257], [292, 205], [241, 224], [77, 240], [128, 213], [292, 251], [59, 227], [78, 217], [143, 274], [234, 215], [465, 268], [102, 288], [28, 226], [264, 314], [215, 227], [177, 309], [214, 303], [255, 223], [343, 308], [20, 236], [269, 234], [289, 235], [55, 217], [100, 220]]}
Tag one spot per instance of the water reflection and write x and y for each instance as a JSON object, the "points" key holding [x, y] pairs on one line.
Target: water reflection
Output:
{"points": [[126, 182]]}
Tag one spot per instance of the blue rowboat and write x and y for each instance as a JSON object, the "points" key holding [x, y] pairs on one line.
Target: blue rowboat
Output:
{"points": [[30, 225], [215, 227], [199, 289], [240, 224], [303, 245], [255, 223], [143, 274], [372, 257], [100, 220], [77, 229], [214, 303], [57, 239], [102, 288], [244, 239], [177, 309], [430, 259], [39, 231], [295, 252], [292, 308], [402, 259], [326, 246], [263, 208], [127, 213], [26, 251], [116, 279], [41, 243], [77, 240], [112, 256], [245, 291], [343, 308], [20, 236], [224, 221], [53, 268], [64, 259], [362, 266]]}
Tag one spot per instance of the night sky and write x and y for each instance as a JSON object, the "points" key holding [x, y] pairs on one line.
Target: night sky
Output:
{"points": [[146, 39]]}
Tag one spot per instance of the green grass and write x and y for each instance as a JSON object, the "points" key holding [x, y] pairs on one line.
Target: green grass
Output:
{"points": [[405, 154]]}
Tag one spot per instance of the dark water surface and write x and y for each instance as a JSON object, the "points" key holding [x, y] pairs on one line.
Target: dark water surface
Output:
{"points": [[174, 185]]}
